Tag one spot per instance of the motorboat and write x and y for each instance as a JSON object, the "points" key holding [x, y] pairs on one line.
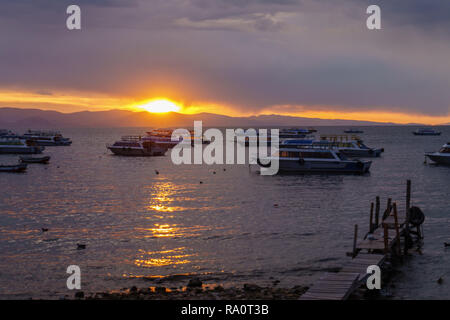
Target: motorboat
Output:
{"points": [[353, 131], [15, 145], [426, 132], [135, 146], [47, 138], [21, 167], [351, 146], [43, 160], [162, 137], [442, 156], [314, 159]]}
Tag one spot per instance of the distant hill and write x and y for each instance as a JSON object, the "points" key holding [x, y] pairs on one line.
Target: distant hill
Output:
{"points": [[42, 119]]}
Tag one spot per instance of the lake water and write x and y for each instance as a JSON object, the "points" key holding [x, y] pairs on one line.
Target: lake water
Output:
{"points": [[147, 229]]}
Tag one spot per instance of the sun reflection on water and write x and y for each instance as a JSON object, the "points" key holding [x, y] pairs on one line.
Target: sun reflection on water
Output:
{"points": [[162, 258]]}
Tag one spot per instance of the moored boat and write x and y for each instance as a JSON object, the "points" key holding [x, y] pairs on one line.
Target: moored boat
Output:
{"points": [[43, 160], [353, 131], [14, 145], [311, 159], [46, 138], [21, 167], [426, 132], [350, 146], [442, 156], [135, 146]]}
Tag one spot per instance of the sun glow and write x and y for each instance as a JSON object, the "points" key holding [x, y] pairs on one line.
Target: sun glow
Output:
{"points": [[160, 106]]}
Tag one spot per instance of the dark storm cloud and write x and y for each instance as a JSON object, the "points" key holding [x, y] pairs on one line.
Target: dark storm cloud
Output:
{"points": [[251, 54]]}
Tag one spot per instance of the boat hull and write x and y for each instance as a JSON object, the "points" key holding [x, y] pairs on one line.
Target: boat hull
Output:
{"points": [[14, 168], [22, 150], [137, 152], [440, 159], [352, 167], [427, 133], [43, 160], [367, 153]]}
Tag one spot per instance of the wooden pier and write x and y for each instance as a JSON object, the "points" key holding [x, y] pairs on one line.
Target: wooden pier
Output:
{"points": [[381, 243]]}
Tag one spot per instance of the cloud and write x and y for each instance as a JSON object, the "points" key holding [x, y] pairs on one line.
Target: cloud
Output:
{"points": [[248, 54]]}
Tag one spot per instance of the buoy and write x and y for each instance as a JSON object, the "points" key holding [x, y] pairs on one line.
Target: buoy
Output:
{"points": [[156, 171], [201, 182], [44, 229], [81, 246], [446, 244]]}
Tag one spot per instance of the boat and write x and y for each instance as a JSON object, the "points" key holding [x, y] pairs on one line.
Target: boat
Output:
{"points": [[350, 146], [442, 156], [21, 167], [162, 137], [15, 145], [295, 133], [44, 159], [426, 132], [353, 131], [135, 146], [46, 138], [313, 159]]}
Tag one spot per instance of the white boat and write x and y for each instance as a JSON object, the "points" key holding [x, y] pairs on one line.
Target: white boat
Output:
{"points": [[311, 159], [426, 132], [442, 156], [14, 145], [46, 138], [351, 146], [162, 137], [135, 146]]}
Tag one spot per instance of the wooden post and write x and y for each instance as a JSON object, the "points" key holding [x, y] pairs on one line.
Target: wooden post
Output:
{"points": [[388, 209], [377, 212], [386, 238], [408, 206], [371, 218], [355, 238], [397, 230]]}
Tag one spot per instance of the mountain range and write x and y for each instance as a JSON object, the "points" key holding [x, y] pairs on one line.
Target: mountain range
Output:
{"points": [[11, 118]]}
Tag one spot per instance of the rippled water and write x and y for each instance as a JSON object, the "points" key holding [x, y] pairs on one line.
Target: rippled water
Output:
{"points": [[146, 229]]}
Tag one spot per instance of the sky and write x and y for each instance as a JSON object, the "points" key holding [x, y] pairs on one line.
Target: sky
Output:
{"points": [[311, 58]]}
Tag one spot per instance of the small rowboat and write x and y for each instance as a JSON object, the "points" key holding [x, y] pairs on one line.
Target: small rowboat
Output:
{"points": [[44, 159], [21, 167]]}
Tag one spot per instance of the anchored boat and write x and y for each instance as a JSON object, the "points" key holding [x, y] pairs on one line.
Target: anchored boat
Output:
{"points": [[47, 138], [442, 156], [426, 132], [13, 168], [135, 146], [14, 145], [314, 159], [353, 131], [351, 146], [43, 160]]}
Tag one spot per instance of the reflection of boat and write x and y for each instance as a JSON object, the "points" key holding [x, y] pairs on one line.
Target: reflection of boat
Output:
{"points": [[442, 156], [47, 138], [426, 132], [136, 146], [310, 159], [43, 160], [353, 131], [13, 168], [15, 145]]}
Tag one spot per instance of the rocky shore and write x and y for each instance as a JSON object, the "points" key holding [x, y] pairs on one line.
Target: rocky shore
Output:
{"points": [[197, 291]]}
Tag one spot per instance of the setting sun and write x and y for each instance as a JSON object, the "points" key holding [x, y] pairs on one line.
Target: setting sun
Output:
{"points": [[160, 106]]}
